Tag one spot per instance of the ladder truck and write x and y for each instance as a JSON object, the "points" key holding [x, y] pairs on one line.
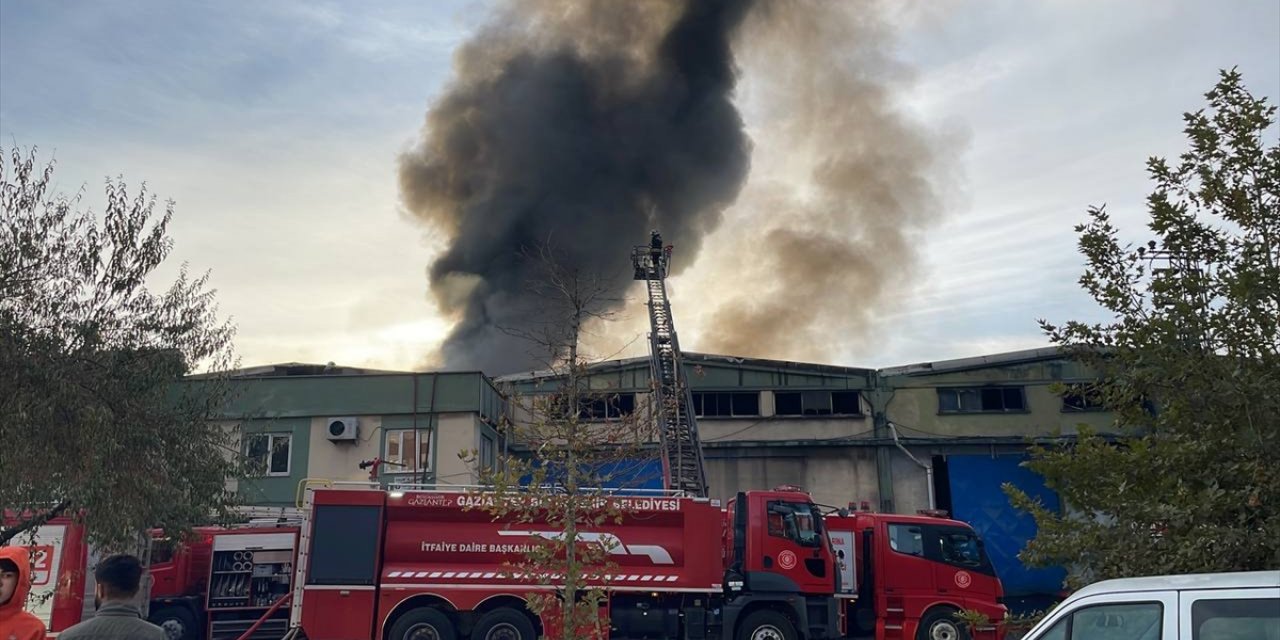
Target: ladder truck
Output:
{"points": [[682, 462], [423, 563]]}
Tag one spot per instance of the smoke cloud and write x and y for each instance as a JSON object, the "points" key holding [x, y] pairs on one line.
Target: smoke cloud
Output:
{"points": [[581, 123], [843, 184]]}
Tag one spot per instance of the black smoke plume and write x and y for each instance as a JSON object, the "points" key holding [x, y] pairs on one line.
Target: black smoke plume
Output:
{"points": [[586, 124]]}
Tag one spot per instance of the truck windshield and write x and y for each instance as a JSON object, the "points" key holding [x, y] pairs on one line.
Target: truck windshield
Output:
{"points": [[960, 547], [796, 521]]}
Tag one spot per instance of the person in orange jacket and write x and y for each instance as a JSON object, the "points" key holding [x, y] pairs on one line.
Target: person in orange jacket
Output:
{"points": [[15, 581]]}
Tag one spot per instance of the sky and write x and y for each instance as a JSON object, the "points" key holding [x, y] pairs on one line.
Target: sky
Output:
{"points": [[275, 127]]}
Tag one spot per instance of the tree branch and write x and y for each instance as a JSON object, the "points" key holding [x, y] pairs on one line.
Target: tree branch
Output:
{"points": [[9, 533]]}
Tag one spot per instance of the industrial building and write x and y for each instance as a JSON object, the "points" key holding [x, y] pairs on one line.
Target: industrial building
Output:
{"points": [[941, 434]]}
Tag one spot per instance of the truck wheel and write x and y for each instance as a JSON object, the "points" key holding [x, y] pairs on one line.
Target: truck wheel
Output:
{"points": [[939, 624], [178, 623], [504, 624], [766, 625], [423, 624]]}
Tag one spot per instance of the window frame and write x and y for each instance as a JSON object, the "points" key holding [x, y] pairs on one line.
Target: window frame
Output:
{"points": [[924, 546], [959, 392], [612, 403], [1190, 598], [392, 469], [857, 397], [271, 437], [934, 548], [815, 520], [1090, 398], [700, 399], [810, 411], [488, 457], [163, 551]]}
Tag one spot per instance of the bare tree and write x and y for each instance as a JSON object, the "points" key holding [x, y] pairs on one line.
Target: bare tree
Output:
{"points": [[579, 445]]}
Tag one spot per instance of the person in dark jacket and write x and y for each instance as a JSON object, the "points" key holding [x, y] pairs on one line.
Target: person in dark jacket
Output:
{"points": [[118, 616]]}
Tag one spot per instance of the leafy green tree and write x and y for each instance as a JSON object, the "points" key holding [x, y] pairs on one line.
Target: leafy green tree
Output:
{"points": [[1189, 363], [93, 422]]}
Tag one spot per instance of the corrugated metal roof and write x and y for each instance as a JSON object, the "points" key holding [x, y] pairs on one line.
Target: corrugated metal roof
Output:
{"points": [[695, 358], [976, 362]]}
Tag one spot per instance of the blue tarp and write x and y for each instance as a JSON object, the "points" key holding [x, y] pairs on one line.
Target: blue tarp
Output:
{"points": [[977, 498], [626, 476]]}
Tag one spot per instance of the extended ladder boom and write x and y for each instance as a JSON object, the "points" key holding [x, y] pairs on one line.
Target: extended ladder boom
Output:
{"points": [[677, 429]]}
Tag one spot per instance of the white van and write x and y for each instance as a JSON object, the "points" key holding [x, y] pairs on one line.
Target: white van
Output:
{"points": [[1209, 606]]}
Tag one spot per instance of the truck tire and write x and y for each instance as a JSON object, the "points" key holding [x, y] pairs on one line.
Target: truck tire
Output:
{"points": [[423, 623], [940, 624], [178, 623], [766, 624], [504, 623]]}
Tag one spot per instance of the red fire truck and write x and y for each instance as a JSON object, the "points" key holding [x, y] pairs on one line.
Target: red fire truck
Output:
{"points": [[417, 565], [215, 585]]}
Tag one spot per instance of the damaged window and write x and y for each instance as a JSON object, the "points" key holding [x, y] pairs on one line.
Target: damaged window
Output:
{"points": [[708, 404], [1082, 397], [845, 403], [981, 400], [816, 403], [600, 406], [611, 406], [268, 453]]}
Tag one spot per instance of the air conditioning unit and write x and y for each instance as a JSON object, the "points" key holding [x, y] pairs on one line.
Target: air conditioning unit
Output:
{"points": [[343, 429]]}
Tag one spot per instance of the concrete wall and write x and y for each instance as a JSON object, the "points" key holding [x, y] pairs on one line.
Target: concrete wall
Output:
{"points": [[917, 410], [457, 432], [780, 428], [834, 475], [914, 403], [910, 480], [340, 460]]}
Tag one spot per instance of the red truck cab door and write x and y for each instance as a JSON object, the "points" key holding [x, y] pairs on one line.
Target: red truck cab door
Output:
{"points": [[905, 577], [339, 594], [961, 567], [793, 546], [780, 544], [168, 568]]}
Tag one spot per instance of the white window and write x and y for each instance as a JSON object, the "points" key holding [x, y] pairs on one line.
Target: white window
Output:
{"points": [[268, 454], [408, 451]]}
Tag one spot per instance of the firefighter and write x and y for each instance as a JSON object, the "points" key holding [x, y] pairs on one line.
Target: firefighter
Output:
{"points": [[15, 583]]}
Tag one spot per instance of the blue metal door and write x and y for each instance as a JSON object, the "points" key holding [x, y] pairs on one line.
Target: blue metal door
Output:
{"points": [[977, 498]]}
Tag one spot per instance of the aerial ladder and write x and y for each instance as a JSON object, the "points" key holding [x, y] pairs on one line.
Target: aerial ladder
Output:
{"points": [[682, 462]]}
